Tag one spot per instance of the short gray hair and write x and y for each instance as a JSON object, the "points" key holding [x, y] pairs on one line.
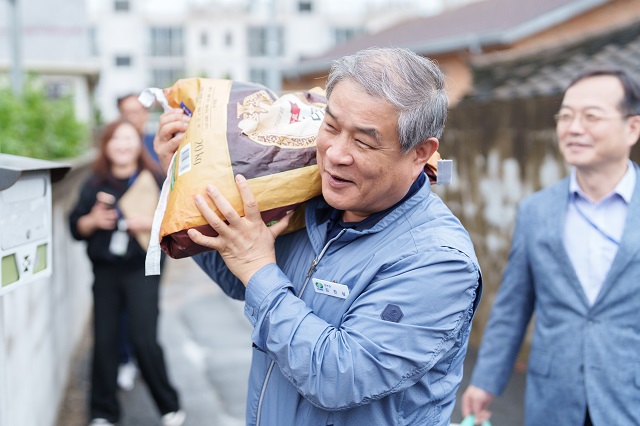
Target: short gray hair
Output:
{"points": [[412, 83]]}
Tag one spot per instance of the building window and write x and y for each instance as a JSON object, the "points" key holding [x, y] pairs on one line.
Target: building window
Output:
{"points": [[94, 45], [257, 39], [165, 77], [340, 35], [121, 5], [228, 39], [305, 6], [57, 89], [204, 39], [166, 41], [258, 75], [123, 61]]}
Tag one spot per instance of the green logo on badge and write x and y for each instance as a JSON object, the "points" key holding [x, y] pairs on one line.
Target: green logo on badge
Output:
{"points": [[319, 285]]}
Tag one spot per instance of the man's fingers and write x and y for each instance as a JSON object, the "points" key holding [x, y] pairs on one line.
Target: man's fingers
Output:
{"points": [[476, 401], [279, 227], [198, 238], [173, 115], [223, 205], [251, 209], [172, 128], [212, 218], [483, 416], [466, 405], [478, 408], [172, 122]]}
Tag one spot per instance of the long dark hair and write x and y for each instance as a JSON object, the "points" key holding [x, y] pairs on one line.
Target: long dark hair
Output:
{"points": [[102, 165]]}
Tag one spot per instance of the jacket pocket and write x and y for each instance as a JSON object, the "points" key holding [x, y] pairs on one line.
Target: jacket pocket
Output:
{"points": [[539, 363]]}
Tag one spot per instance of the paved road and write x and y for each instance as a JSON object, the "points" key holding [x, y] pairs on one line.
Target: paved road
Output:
{"points": [[207, 347]]}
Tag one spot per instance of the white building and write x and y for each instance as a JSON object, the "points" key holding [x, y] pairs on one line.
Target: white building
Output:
{"points": [[53, 40], [151, 43]]}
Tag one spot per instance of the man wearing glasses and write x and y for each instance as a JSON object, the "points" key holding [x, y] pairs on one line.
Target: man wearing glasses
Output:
{"points": [[575, 262]]}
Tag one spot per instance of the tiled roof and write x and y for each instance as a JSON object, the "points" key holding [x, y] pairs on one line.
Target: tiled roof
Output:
{"points": [[474, 26], [549, 72]]}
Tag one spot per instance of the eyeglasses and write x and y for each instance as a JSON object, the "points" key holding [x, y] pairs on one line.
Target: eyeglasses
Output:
{"points": [[590, 119]]}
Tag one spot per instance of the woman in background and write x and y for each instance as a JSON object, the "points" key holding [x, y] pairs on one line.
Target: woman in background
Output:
{"points": [[119, 278]]}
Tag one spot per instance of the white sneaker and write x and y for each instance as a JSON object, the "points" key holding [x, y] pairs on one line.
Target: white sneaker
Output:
{"points": [[174, 418], [127, 376], [100, 422]]}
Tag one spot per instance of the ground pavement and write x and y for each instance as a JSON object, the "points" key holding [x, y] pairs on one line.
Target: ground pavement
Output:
{"points": [[207, 348]]}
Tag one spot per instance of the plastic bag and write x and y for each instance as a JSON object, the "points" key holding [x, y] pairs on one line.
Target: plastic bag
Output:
{"points": [[470, 421]]}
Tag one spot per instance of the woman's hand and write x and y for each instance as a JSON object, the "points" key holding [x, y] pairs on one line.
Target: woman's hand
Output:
{"points": [[246, 244], [101, 217], [170, 133], [139, 224]]}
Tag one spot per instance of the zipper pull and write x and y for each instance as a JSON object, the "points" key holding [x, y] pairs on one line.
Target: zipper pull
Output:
{"points": [[312, 268]]}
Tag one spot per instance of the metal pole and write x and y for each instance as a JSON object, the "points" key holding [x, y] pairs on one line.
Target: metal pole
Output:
{"points": [[274, 81], [16, 51]]}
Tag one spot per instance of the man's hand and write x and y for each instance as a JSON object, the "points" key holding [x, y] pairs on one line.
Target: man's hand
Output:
{"points": [[246, 244], [170, 133], [476, 401]]}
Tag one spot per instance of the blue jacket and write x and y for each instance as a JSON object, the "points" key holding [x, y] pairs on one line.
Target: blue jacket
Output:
{"points": [[580, 354], [387, 352]]}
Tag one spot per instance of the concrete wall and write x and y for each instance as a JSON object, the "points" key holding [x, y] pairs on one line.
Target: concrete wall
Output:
{"points": [[41, 322], [502, 152]]}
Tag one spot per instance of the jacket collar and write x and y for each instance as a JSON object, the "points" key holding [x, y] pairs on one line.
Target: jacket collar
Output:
{"points": [[318, 213], [624, 188], [555, 212]]}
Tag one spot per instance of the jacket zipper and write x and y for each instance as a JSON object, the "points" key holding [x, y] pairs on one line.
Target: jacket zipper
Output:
{"points": [[264, 388], [304, 286]]}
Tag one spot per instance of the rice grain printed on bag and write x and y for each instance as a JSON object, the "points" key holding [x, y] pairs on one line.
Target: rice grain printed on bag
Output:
{"points": [[242, 128]]}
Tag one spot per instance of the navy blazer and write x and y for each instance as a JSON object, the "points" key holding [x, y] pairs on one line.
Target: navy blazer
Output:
{"points": [[580, 355]]}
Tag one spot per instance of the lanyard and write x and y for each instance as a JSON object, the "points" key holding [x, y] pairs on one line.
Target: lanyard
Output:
{"points": [[132, 178], [593, 225]]}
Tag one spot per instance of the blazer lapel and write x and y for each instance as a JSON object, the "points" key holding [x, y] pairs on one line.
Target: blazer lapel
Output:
{"points": [[555, 218], [630, 243]]}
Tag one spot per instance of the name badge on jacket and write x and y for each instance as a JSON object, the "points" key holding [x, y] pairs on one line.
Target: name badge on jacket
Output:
{"points": [[330, 289]]}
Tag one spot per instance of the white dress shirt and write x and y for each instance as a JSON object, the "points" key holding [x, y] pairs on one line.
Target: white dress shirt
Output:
{"points": [[592, 231]]}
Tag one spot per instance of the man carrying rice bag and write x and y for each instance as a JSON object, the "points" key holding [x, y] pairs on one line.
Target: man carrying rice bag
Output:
{"points": [[363, 316]]}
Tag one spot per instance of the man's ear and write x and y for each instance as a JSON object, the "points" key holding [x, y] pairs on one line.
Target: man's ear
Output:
{"points": [[634, 129], [425, 149], [422, 152]]}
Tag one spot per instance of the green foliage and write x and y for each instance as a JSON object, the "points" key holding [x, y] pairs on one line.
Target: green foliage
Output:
{"points": [[32, 125]]}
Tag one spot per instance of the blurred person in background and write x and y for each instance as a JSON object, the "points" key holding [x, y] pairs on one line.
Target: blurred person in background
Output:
{"points": [[119, 278], [575, 264], [133, 111]]}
